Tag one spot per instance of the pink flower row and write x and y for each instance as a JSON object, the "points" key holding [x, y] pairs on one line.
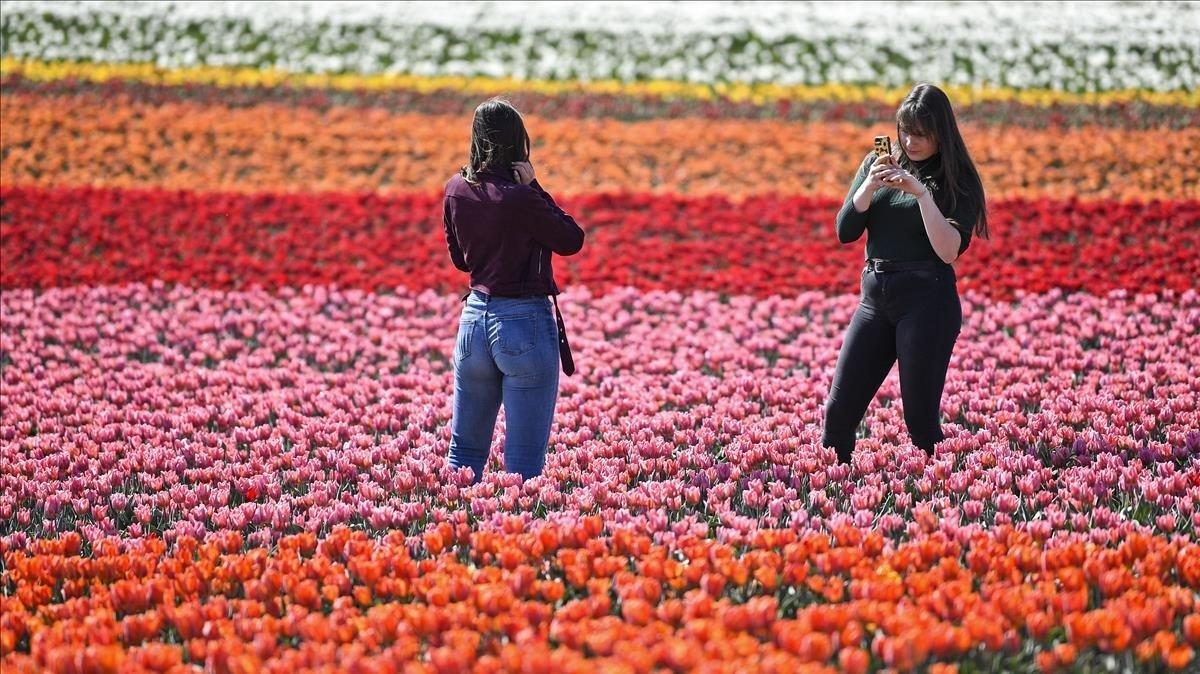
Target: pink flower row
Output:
{"points": [[142, 409]]}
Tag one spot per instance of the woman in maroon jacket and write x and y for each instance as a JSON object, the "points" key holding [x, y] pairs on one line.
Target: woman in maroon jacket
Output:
{"points": [[501, 228]]}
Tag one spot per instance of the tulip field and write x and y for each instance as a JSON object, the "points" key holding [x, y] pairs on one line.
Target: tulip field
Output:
{"points": [[228, 317]]}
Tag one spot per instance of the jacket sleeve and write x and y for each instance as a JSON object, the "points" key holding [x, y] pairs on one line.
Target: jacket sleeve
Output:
{"points": [[456, 254], [548, 224], [850, 223]]}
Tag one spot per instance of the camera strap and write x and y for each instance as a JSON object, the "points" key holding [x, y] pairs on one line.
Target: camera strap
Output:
{"points": [[564, 347]]}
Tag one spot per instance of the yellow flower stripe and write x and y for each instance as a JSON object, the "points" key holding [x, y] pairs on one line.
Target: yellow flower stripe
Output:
{"points": [[735, 91]]}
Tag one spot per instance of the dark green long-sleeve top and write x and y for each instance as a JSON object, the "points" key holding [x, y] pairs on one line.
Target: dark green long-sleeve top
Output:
{"points": [[895, 230]]}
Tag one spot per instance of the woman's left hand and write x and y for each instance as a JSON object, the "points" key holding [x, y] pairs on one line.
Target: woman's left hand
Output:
{"points": [[902, 180]]}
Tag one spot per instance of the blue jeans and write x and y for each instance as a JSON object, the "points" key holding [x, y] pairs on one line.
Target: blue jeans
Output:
{"points": [[506, 352]]}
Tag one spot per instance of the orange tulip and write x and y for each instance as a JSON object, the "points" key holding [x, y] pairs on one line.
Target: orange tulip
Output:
{"points": [[601, 642], [1039, 625], [1180, 658], [854, 660], [449, 661], [816, 647], [736, 618], [1191, 629], [1065, 654], [767, 578], [713, 584], [362, 596], [1046, 662], [636, 611], [437, 596]]}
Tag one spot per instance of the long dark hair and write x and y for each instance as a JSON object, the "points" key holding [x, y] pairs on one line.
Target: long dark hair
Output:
{"points": [[926, 111], [498, 139]]}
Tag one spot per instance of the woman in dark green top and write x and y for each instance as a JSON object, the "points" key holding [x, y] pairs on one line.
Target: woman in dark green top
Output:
{"points": [[919, 207]]}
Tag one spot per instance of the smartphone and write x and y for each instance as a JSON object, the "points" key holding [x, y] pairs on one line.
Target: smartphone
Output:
{"points": [[883, 146]]}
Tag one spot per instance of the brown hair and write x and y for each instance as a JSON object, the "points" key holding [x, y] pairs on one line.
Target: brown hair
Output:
{"points": [[926, 111], [498, 138]]}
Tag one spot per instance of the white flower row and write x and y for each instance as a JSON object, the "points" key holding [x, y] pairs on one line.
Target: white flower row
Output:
{"points": [[1003, 21], [1072, 46]]}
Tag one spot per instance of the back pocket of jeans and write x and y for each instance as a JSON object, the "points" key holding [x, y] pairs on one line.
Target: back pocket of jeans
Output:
{"points": [[517, 335], [462, 347]]}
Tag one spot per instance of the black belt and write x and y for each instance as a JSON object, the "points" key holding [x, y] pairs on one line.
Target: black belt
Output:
{"points": [[877, 265]]}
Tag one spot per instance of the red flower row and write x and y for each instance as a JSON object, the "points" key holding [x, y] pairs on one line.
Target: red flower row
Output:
{"points": [[761, 246]]}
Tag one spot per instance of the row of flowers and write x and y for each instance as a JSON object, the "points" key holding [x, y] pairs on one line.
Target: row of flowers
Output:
{"points": [[555, 598], [760, 247], [1039, 21], [728, 96], [1093, 51], [622, 103], [142, 410], [116, 142]]}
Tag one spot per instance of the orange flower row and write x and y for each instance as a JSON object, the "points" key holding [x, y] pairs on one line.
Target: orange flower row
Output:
{"points": [[561, 599], [76, 140]]}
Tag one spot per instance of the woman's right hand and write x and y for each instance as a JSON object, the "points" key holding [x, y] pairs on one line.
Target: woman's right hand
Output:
{"points": [[880, 166], [523, 171], [868, 188]]}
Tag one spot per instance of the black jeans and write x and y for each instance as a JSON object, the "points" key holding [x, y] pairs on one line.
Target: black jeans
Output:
{"points": [[910, 316]]}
